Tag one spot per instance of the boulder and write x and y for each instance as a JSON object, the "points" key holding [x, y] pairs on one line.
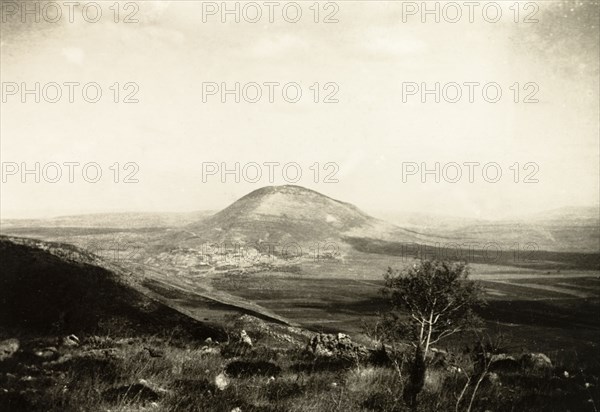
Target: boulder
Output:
{"points": [[8, 348], [536, 361], [205, 350], [503, 362], [339, 346], [49, 353], [70, 341], [88, 354], [244, 338], [221, 381]]}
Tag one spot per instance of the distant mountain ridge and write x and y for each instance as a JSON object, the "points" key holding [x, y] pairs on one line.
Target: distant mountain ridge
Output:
{"points": [[296, 214], [122, 220], [567, 229]]}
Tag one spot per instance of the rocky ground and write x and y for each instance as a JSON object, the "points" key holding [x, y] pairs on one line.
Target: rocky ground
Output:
{"points": [[262, 366]]}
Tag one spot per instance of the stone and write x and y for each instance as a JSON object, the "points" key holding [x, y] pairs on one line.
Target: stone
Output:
{"points": [[71, 341], [245, 338], [205, 350], [536, 361], [48, 353], [222, 381], [503, 362], [8, 348], [340, 346], [493, 378]]}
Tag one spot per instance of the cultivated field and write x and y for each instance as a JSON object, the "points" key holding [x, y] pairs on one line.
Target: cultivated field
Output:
{"points": [[533, 309]]}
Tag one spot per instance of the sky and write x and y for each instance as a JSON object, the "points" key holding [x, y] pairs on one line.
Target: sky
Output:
{"points": [[367, 144]]}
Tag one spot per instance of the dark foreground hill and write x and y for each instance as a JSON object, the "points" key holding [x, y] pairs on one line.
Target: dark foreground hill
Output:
{"points": [[57, 288]]}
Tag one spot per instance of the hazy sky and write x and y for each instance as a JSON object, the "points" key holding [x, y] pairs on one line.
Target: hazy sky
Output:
{"points": [[369, 133]]}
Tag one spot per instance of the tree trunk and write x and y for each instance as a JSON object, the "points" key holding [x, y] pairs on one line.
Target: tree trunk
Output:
{"points": [[429, 334], [416, 379]]}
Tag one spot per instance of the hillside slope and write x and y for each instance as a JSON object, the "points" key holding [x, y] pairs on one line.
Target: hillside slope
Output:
{"points": [[57, 288]]}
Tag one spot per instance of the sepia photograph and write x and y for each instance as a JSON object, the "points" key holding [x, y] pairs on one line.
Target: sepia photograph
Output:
{"points": [[299, 206]]}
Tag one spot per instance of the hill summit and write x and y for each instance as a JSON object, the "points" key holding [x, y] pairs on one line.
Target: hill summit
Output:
{"points": [[286, 213]]}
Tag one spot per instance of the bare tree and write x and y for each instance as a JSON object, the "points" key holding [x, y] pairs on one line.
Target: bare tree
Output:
{"points": [[430, 301], [438, 299]]}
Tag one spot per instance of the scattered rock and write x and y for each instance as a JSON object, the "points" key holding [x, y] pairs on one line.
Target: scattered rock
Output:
{"points": [[537, 361], [237, 409], [61, 359], [8, 348], [99, 341], [245, 338], [498, 357], [70, 341], [125, 341], [47, 354], [340, 346], [208, 341], [222, 381], [93, 354], [503, 362], [493, 378], [205, 350]]}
